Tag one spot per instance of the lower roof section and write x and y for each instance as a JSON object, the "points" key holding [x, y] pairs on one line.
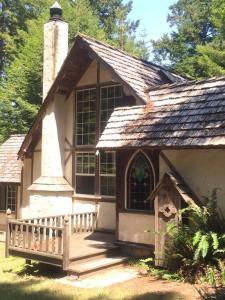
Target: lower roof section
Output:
{"points": [[190, 115]]}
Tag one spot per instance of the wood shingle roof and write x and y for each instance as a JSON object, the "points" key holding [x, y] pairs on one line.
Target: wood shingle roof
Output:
{"points": [[10, 166], [138, 73], [187, 115], [135, 74]]}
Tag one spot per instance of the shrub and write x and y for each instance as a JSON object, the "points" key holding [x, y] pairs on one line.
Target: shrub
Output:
{"points": [[197, 249]]}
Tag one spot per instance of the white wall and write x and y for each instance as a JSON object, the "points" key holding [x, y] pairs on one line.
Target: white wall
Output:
{"points": [[133, 226], [106, 212], [203, 170]]}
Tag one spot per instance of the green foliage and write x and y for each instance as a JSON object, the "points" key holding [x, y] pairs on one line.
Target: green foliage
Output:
{"points": [[196, 46], [22, 40], [198, 249], [165, 274]]}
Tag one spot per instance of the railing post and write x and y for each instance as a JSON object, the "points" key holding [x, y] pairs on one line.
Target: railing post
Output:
{"points": [[7, 240], [66, 243]]}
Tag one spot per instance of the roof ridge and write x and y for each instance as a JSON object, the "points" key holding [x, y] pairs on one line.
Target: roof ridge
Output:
{"points": [[82, 35], [186, 83], [154, 65]]}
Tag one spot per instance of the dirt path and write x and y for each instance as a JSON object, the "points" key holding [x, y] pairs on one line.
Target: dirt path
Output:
{"points": [[149, 287]]}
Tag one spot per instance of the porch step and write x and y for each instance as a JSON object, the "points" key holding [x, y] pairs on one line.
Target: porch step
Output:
{"points": [[110, 251], [82, 268]]}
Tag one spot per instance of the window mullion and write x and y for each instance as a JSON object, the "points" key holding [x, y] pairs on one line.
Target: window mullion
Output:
{"points": [[7, 197], [97, 134]]}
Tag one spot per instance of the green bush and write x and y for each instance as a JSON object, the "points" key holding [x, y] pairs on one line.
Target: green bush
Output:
{"points": [[196, 249]]}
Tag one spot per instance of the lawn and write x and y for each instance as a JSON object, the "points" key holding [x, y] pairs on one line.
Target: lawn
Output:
{"points": [[22, 282]]}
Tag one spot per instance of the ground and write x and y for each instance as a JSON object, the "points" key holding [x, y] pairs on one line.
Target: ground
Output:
{"points": [[21, 282]]}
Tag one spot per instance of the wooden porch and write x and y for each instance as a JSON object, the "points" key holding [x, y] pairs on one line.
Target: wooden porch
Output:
{"points": [[70, 242]]}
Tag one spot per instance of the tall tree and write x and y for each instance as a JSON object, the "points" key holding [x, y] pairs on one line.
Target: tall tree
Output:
{"points": [[20, 89], [211, 57], [193, 27], [120, 31], [14, 15]]}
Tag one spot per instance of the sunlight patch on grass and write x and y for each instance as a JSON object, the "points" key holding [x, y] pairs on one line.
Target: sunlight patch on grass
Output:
{"points": [[37, 282]]}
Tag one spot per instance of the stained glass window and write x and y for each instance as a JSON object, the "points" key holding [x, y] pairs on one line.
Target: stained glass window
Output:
{"points": [[140, 183]]}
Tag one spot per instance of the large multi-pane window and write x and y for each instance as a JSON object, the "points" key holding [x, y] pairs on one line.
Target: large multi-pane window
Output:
{"points": [[92, 115], [7, 197], [86, 117], [107, 173], [111, 97], [85, 173]]}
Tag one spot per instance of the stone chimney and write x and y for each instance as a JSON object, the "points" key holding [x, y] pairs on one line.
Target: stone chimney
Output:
{"points": [[51, 193], [55, 46]]}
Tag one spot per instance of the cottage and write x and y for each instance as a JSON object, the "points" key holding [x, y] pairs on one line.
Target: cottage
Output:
{"points": [[10, 179], [118, 145]]}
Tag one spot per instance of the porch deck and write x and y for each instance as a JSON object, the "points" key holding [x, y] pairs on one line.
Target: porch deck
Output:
{"points": [[70, 242], [91, 244]]}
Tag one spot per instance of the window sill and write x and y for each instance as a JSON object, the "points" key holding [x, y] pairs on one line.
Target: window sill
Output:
{"points": [[85, 197], [4, 212], [136, 212]]}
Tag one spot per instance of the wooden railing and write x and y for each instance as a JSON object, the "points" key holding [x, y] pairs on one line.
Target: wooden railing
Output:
{"points": [[79, 222], [48, 236]]}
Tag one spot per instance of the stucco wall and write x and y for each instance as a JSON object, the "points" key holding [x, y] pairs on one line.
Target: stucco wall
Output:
{"points": [[26, 183], [69, 125], [132, 228], [203, 170], [107, 216], [53, 204], [106, 212], [36, 165], [53, 138], [90, 76]]}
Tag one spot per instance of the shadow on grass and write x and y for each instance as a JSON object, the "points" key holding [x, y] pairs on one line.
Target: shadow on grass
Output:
{"points": [[146, 296], [41, 270], [29, 290]]}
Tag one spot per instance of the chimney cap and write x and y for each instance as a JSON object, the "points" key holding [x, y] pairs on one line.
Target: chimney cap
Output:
{"points": [[56, 11]]}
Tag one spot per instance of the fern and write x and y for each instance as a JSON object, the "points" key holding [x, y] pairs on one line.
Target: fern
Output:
{"points": [[192, 248], [197, 238]]}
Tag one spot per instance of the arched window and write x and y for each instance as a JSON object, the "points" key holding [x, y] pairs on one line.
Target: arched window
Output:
{"points": [[140, 183]]}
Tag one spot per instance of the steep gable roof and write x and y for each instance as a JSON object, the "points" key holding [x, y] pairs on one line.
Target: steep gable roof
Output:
{"points": [[137, 75], [179, 185], [188, 115], [10, 166]]}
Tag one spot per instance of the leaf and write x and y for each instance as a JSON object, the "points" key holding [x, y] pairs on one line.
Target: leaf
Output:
{"points": [[211, 277], [197, 238], [204, 245], [215, 240]]}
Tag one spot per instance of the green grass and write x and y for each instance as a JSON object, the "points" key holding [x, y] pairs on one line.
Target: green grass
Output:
{"points": [[37, 282]]}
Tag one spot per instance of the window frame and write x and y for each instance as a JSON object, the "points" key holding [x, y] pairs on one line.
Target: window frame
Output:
{"points": [[92, 148], [6, 187], [108, 174], [131, 160]]}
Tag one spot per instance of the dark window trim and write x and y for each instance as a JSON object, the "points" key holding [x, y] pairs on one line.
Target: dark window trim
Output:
{"points": [[91, 148], [130, 162]]}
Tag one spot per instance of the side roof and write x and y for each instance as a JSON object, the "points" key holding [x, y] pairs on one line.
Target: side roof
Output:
{"points": [[190, 115], [10, 166], [180, 186], [136, 74]]}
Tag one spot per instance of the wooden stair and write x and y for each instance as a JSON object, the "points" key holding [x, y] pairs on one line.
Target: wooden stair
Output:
{"points": [[87, 265]]}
